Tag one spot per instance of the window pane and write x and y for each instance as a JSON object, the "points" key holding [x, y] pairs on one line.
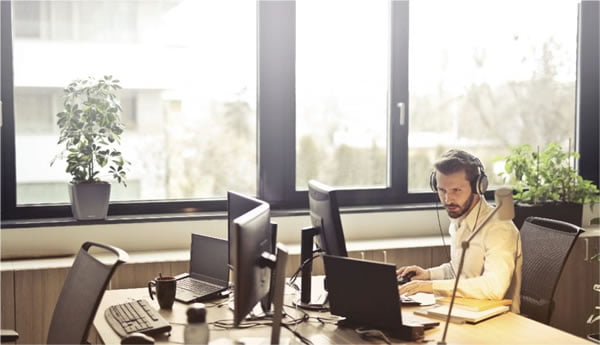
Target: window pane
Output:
{"points": [[342, 50], [486, 75], [188, 69]]}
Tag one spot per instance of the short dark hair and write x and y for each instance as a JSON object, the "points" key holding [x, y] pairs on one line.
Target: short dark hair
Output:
{"points": [[457, 160]]}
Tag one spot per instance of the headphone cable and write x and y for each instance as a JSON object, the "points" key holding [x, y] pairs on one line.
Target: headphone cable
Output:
{"points": [[437, 212]]}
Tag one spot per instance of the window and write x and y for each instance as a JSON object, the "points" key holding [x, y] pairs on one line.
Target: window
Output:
{"points": [[259, 97], [482, 83], [188, 94], [342, 78]]}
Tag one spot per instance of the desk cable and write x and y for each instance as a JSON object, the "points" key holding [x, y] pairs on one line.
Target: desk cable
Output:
{"points": [[365, 333], [294, 276], [266, 321]]}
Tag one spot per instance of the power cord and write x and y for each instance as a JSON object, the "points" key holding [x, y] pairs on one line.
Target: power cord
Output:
{"points": [[365, 333], [291, 281]]}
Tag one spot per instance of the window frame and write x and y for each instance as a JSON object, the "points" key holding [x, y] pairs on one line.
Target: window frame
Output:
{"points": [[276, 121]]}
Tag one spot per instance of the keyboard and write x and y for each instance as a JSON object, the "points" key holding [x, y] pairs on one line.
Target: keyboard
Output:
{"points": [[135, 316], [200, 287], [191, 289]]}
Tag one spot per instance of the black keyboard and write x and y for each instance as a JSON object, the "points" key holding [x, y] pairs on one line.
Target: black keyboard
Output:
{"points": [[135, 316]]}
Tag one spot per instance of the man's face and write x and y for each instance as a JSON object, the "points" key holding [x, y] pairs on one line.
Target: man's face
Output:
{"points": [[454, 191]]}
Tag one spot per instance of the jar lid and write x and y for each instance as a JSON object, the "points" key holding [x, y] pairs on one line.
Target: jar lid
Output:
{"points": [[196, 313]]}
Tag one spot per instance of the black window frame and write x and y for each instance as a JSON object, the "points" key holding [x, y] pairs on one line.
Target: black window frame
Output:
{"points": [[276, 121]]}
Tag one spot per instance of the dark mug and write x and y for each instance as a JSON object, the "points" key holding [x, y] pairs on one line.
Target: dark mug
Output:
{"points": [[165, 291]]}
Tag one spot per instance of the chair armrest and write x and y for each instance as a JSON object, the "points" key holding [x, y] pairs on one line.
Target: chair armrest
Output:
{"points": [[8, 335]]}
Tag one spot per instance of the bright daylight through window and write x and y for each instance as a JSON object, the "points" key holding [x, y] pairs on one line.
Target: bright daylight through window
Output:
{"points": [[189, 97], [342, 74], [485, 75], [261, 96]]}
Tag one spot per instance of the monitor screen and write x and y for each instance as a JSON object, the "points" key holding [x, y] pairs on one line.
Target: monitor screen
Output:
{"points": [[250, 237], [325, 215], [237, 205]]}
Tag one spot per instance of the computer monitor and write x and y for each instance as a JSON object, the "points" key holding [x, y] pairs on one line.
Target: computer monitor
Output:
{"points": [[237, 205], [325, 215], [250, 241], [326, 232], [256, 267]]}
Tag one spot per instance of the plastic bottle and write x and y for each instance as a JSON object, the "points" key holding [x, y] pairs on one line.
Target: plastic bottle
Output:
{"points": [[196, 330]]}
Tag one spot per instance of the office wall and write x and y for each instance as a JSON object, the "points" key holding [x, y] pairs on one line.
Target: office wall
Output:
{"points": [[65, 240], [57, 241]]}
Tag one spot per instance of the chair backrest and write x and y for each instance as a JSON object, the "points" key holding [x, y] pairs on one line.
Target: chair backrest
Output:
{"points": [[546, 247], [81, 294]]}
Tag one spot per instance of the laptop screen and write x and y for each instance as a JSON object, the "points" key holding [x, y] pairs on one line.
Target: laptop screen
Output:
{"points": [[364, 292], [209, 258]]}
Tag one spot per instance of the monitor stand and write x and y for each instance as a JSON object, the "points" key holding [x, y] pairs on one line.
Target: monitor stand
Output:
{"points": [[305, 300], [278, 293]]}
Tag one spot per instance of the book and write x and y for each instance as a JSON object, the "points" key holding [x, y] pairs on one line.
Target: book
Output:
{"points": [[475, 304], [460, 315]]}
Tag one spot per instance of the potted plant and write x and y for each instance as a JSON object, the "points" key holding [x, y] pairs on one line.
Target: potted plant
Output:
{"points": [[90, 132], [547, 184]]}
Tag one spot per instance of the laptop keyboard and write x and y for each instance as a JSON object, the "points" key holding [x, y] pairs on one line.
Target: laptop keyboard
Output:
{"points": [[191, 288]]}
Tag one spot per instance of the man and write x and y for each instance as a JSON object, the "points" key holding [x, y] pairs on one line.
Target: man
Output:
{"points": [[492, 267]]}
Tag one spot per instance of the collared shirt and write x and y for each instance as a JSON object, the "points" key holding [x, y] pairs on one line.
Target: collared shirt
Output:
{"points": [[490, 261]]}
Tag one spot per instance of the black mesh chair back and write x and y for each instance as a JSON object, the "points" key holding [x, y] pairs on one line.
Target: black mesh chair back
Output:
{"points": [[546, 247], [81, 294]]}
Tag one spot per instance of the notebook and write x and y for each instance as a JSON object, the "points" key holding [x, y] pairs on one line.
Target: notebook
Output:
{"points": [[460, 315], [209, 270], [366, 294]]}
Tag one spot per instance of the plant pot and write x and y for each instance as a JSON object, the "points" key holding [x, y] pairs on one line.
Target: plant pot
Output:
{"points": [[89, 200], [567, 212]]}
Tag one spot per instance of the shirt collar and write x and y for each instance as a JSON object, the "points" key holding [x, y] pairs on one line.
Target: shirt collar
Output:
{"points": [[475, 216]]}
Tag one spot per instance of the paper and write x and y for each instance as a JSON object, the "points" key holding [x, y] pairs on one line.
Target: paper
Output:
{"points": [[423, 298]]}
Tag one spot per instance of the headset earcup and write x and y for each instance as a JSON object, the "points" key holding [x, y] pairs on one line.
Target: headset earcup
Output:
{"points": [[433, 182], [482, 183]]}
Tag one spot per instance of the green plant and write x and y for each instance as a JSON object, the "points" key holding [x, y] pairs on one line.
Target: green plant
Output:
{"points": [[547, 176], [90, 129]]}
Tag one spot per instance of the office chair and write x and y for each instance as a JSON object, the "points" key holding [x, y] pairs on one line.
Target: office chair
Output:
{"points": [[8, 336], [81, 294], [546, 244]]}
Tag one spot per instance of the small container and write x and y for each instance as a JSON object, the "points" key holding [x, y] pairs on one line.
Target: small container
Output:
{"points": [[196, 330]]}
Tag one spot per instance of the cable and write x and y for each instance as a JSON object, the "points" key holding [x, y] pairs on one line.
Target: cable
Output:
{"points": [[306, 262], [372, 333], [437, 212], [302, 338]]}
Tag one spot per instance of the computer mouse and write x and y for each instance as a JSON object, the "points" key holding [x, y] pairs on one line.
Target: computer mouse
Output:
{"points": [[406, 278], [137, 338]]}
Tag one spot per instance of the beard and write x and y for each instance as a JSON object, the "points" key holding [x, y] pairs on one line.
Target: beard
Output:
{"points": [[457, 211]]}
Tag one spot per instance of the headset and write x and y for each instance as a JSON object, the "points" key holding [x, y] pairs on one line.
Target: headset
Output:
{"points": [[479, 184]]}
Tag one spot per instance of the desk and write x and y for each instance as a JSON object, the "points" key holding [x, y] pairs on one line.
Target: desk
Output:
{"points": [[508, 328]]}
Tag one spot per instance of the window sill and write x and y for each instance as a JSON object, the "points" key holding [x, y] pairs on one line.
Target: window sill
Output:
{"points": [[169, 217]]}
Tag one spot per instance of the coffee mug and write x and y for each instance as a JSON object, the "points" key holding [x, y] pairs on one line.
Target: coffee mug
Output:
{"points": [[165, 290]]}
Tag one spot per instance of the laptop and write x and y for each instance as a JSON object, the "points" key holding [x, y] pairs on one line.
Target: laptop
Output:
{"points": [[366, 294], [209, 270]]}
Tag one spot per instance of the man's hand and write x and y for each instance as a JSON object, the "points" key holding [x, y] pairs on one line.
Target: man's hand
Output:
{"points": [[420, 274], [415, 286]]}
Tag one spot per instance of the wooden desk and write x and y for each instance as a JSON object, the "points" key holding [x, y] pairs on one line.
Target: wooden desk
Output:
{"points": [[508, 328]]}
